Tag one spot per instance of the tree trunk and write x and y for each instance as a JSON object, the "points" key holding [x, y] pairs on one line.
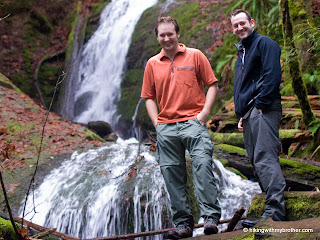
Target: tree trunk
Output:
{"points": [[293, 63]]}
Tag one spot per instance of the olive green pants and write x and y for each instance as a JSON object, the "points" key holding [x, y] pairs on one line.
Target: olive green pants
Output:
{"points": [[172, 142]]}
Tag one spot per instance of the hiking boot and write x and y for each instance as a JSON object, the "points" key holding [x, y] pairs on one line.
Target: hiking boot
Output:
{"points": [[183, 230], [210, 225]]}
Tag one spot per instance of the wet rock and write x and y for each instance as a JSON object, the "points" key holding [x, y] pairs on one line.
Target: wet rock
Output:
{"points": [[100, 127]]}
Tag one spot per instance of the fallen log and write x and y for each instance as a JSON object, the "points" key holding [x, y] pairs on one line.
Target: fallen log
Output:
{"points": [[156, 232], [63, 236], [43, 229], [287, 137]]}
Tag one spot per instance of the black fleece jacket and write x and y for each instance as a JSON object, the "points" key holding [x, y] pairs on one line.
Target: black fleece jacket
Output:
{"points": [[257, 80]]}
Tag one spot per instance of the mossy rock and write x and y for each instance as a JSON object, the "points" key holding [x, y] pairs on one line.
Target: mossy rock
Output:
{"points": [[5, 82], [230, 149], [235, 139], [302, 172], [7, 231], [93, 136], [299, 205]]}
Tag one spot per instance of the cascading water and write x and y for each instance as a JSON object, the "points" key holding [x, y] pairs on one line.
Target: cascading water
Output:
{"points": [[103, 60], [112, 190], [115, 189]]}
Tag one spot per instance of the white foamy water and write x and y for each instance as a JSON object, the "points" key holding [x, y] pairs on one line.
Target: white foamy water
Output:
{"points": [[113, 190]]}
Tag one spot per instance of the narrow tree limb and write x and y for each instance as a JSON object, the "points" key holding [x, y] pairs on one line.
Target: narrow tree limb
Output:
{"points": [[43, 229], [156, 232], [4, 17], [43, 234], [314, 152], [8, 208], [63, 236], [236, 218]]}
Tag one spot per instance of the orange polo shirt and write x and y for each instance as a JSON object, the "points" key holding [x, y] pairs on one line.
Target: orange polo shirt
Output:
{"points": [[178, 85]]}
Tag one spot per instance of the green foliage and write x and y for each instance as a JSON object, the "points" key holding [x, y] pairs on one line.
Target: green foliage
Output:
{"points": [[258, 9], [224, 58], [312, 36], [228, 62], [313, 80], [190, 31]]}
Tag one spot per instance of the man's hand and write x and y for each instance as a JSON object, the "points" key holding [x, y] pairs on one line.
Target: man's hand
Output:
{"points": [[240, 126], [210, 98], [202, 118]]}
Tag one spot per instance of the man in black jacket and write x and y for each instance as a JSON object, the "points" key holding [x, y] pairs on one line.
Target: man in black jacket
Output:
{"points": [[258, 104]]}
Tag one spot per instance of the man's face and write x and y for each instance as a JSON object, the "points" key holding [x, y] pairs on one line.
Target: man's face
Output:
{"points": [[241, 26], [168, 37]]}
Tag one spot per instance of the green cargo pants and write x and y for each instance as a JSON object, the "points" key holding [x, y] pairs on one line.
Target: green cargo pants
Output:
{"points": [[172, 142]]}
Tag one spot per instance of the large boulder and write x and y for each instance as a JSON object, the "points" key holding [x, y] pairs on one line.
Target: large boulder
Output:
{"points": [[100, 127]]}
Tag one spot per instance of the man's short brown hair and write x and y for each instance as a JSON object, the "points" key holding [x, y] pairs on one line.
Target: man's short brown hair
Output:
{"points": [[167, 19], [237, 11]]}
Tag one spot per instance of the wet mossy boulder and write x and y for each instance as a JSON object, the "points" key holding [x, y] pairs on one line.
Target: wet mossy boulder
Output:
{"points": [[299, 205]]}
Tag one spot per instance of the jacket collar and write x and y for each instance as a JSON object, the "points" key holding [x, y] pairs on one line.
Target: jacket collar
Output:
{"points": [[247, 41]]}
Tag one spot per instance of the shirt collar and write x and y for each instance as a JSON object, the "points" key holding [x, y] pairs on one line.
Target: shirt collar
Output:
{"points": [[181, 49]]}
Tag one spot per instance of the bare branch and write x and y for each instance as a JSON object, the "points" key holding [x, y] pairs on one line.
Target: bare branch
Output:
{"points": [[4, 17], [31, 185]]}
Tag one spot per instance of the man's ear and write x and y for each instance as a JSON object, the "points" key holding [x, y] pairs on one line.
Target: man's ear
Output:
{"points": [[252, 22]]}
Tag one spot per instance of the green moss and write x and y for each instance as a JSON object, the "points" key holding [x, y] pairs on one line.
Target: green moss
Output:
{"points": [[248, 236], [287, 133], [6, 230], [71, 37], [235, 139], [190, 189], [299, 205], [92, 136], [226, 148], [305, 171], [257, 206], [4, 81], [287, 90], [302, 205]]}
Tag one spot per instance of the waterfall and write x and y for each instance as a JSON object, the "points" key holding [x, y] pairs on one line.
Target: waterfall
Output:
{"points": [[115, 190], [102, 62]]}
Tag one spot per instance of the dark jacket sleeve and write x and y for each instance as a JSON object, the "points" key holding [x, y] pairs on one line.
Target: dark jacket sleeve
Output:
{"points": [[271, 73]]}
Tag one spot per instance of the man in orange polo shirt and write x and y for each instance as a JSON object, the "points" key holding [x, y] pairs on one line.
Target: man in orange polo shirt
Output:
{"points": [[174, 80]]}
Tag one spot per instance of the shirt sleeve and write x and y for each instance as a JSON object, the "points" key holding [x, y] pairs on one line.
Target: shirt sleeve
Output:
{"points": [[205, 71], [148, 86]]}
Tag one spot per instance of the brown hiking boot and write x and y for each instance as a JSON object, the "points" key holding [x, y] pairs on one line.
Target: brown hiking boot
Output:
{"points": [[210, 225], [183, 230]]}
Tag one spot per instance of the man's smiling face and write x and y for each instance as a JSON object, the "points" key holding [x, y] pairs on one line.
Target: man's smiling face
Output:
{"points": [[168, 37], [241, 26]]}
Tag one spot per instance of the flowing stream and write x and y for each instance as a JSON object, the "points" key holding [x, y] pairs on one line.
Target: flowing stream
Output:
{"points": [[119, 189]]}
